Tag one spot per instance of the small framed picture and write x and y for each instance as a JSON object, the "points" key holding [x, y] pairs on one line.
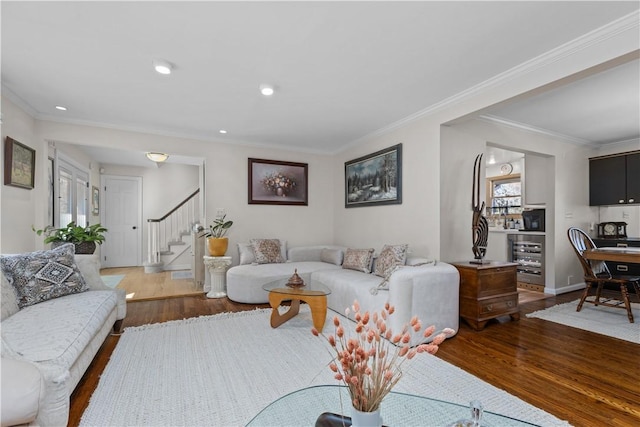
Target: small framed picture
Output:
{"points": [[273, 182], [374, 179], [19, 164], [95, 200]]}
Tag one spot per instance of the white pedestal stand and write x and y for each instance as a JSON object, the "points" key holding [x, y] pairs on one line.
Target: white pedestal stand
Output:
{"points": [[217, 266]]}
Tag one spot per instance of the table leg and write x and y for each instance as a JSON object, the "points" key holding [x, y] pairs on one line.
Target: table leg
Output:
{"points": [[318, 306], [278, 319]]}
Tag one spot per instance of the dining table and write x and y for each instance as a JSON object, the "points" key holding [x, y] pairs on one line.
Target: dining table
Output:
{"points": [[615, 254]]}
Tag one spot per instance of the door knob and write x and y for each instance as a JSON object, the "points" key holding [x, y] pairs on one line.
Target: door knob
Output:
{"points": [[135, 228]]}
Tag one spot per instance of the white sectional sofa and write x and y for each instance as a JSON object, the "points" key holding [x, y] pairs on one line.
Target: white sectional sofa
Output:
{"points": [[47, 346], [424, 288]]}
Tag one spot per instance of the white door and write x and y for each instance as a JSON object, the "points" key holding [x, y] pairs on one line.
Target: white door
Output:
{"points": [[122, 216]]}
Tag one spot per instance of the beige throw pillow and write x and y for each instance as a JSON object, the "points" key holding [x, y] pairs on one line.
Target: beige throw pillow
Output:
{"points": [[267, 251], [390, 257], [358, 259]]}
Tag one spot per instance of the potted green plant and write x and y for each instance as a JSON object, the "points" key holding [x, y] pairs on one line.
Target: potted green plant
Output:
{"points": [[84, 238], [217, 243]]}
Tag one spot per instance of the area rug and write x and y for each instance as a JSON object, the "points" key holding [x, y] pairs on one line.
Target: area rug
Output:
{"points": [[112, 280], [222, 370], [601, 319], [186, 274]]}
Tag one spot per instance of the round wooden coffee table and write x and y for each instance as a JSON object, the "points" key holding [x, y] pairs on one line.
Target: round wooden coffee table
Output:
{"points": [[313, 293]]}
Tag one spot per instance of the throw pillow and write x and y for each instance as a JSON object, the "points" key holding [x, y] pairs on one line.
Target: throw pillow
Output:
{"points": [[43, 275], [358, 259], [267, 251], [332, 256], [389, 258], [246, 253]]}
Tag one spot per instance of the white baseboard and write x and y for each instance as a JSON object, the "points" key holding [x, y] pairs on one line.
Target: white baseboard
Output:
{"points": [[565, 289]]}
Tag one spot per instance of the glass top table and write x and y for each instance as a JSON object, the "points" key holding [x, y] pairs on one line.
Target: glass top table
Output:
{"points": [[303, 407], [313, 293]]}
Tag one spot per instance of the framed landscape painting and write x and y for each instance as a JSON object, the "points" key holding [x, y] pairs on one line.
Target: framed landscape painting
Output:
{"points": [[19, 164], [374, 179], [273, 182]]}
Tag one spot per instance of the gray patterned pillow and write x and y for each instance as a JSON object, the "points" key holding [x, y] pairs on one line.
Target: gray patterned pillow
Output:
{"points": [[358, 259], [390, 257], [43, 275], [267, 251]]}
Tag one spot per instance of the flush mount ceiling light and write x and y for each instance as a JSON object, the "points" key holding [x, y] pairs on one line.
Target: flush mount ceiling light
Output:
{"points": [[266, 90], [157, 157], [161, 66], [222, 131], [61, 108]]}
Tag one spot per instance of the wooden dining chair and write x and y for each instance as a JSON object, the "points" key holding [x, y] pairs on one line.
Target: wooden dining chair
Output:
{"points": [[598, 276]]}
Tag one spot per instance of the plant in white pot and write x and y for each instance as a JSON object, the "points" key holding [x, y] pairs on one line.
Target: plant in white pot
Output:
{"points": [[217, 242]]}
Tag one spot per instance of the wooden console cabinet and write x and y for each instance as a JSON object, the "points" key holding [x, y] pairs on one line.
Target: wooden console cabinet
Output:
{"points": [[487, 291]]}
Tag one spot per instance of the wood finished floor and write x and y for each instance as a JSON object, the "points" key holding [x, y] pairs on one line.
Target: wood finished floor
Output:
{"points": [[147, 286], [582, 377]]}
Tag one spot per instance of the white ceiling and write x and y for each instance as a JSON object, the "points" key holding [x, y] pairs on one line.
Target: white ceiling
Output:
{"points": [[342, 70]]}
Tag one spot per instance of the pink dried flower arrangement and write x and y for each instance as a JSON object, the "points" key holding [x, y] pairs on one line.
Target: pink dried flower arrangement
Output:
{"points": [[369, 363]]}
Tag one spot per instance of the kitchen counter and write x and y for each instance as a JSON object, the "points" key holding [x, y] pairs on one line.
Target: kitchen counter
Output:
{"points": [[515, 231]]}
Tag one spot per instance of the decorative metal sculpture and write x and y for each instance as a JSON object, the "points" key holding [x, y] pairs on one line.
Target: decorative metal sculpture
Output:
{"points": [[479, 225]]}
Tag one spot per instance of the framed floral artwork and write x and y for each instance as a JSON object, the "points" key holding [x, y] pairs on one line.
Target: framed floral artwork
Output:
{"points": [[19, 164], [273, 182], [374, 179]]}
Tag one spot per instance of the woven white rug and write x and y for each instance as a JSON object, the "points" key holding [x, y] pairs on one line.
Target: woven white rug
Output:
{"points": [[222, 370], [603, 320]]}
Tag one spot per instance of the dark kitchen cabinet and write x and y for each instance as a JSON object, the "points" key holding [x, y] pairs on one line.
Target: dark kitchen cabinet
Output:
{"points": [[614, 180]]}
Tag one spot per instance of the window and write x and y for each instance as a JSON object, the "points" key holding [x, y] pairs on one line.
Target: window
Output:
{"points": [[73, 194], [505, 195]]}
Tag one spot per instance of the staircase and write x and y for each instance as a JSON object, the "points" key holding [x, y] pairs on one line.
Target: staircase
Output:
{"points": [[170, 236]]}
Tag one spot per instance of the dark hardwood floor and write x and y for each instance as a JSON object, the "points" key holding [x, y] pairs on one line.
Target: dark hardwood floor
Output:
{"points": [[579, 376]]}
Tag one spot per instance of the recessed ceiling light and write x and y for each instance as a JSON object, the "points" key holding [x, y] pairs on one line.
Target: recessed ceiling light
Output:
{"points": [[162, 66], [223, 131], [61, 108], [266, 90]]}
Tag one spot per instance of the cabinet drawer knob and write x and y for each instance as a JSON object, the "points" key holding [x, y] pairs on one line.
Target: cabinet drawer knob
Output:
{"points": [[621, 201], [509, 303], [623, 268], [631, 200], [489, 307]]}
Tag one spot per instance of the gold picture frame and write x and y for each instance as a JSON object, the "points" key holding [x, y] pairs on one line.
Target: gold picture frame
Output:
{"points": [[19, 164]]}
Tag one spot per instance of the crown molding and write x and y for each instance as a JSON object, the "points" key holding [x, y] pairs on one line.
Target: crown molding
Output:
{"points": [[11, 96], [534, 129], [625, 23], [171, 134]]}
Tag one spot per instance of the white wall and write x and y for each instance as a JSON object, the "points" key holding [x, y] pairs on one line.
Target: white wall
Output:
{"points": [[20, 208], [226, 183], [569, 205], [415, 221]]}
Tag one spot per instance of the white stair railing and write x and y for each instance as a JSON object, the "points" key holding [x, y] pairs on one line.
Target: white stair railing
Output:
{"points": [[168, 229]]}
